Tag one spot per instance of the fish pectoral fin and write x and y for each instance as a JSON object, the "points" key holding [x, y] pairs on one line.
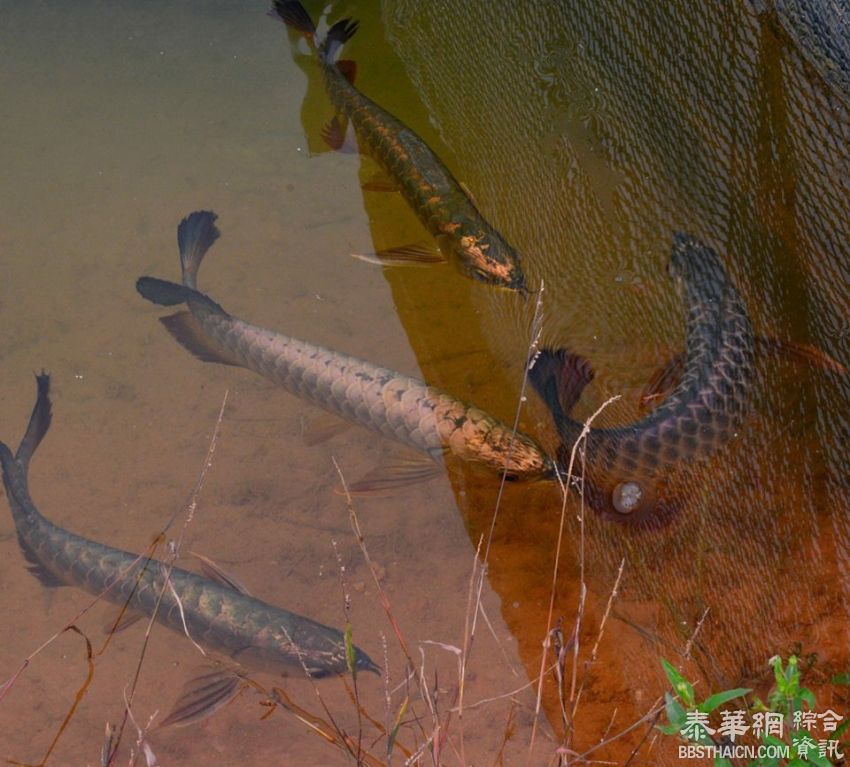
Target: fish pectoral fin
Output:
{"points": [[188, 333], [380, 182], [798, 351], [662, 382], [392, 476], [207, 690], [322, 428], [417, 254], [215, 572], [339, 135]]}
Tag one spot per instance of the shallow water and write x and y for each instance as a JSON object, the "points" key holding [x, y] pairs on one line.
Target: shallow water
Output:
{"points": [[587, 147]]}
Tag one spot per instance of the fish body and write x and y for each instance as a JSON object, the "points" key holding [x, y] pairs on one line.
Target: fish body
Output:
{"points": [[252, 632], [389, 403], [624, 463], [437, 198]]}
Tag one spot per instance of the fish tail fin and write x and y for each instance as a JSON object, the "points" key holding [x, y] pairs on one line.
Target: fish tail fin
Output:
{"points": [[559, 376], [195, 235], [338, 35], [295, 16], [167, 293], [42, 414], [15, 470], [15, 466]]}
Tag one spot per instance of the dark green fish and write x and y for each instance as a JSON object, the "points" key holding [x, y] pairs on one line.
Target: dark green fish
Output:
{"points": [[257, 635], [624, 464], [437, 198], [392, 404]]}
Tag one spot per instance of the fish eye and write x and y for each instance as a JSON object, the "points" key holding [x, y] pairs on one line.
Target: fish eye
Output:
{"points": [[626, 497]]}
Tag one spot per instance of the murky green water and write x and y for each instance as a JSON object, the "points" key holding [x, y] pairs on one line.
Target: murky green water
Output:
{"points": [[586, 141]]}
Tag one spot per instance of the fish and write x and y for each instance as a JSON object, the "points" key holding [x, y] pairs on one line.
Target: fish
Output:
{"points": [[440, 201], [422, 417], [255, 634], [625, 465]]}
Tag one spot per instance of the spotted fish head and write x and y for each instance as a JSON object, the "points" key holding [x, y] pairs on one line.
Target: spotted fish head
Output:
{"points": [[491, 260], [696, 265]]}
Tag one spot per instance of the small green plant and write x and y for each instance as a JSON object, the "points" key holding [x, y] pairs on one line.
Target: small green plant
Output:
{"points": [[780, 732]]}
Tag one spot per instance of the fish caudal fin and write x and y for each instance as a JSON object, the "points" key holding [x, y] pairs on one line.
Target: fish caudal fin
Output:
{"points": [[559, 377], [295, 16], [338, 35], [42, 414], [167, 293], [195, 235], [15, 479]]}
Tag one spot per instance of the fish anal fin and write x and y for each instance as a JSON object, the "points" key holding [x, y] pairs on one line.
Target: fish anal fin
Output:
{"points": [[348, 69], [417, 254], [208, 689], [339, 135], [188, 333], [217, 573], [662, 382], [322, 428], [45, 577], [394, 476]]}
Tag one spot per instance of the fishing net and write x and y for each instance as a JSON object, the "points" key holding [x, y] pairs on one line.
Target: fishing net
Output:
{"points": [[589, 132]]}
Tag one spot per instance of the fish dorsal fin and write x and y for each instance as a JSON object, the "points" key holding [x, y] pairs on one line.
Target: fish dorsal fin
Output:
{"points": [[208, 689], [39, 422], [189, 334], [217, 573]]}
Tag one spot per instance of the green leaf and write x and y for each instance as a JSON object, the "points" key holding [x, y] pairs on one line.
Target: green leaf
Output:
{"points": [[841, 679], [675, 715], [350, 653], [394, 732], [682, 686], [718, 699], [722, 762], [809, 697], [820, 761]]}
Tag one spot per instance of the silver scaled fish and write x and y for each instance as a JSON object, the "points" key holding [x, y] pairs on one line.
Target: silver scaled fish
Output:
{"points": [[405, 409]]}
